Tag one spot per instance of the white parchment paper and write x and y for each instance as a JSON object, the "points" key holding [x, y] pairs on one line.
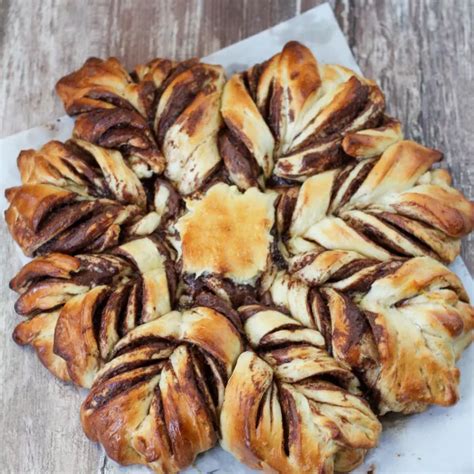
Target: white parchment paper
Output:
{"points": [[439, 440]]}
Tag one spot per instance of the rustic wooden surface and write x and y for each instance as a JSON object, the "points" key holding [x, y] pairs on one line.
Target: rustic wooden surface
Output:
{"points": [[420, 51]]}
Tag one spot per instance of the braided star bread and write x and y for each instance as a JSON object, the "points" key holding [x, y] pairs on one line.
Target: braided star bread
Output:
{"points": [[257, 260]]}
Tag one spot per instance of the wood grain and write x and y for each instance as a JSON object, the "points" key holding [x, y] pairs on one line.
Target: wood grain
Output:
{"points": [[421, 54], [419, 51]]}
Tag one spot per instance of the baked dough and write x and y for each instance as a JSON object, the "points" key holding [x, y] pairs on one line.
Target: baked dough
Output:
{"points": [[158, 401], [292, 117], [289, 406], [79, 307], [227, 233], [391, 207], [256, 259], [401, 325]]}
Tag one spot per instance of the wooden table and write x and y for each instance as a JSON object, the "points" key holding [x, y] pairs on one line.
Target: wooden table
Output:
{"points": [[419, 51]]}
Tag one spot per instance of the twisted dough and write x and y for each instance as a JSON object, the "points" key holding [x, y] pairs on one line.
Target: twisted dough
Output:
{"points": [[88, 170], [187, 123], [289, 406], [43, 218], [339, 233], [287, 118], [124, 130], [400, 325], [79, 307], [116, 108], [157, 402], [293, 118], [387, 208], [178, 103], [77, 196]]}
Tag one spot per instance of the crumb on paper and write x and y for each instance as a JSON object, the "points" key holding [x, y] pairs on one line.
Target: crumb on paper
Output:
{"points": [[52, 127], [371, 469]]}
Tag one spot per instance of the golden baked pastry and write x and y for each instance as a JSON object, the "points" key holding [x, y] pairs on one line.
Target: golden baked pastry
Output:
{"points": [[218, 234], [289, 406], [290, 117], [389, 207], [158, 401], [80, 306], [401, 325], [174, 105], [79, 197], [255, 260]]}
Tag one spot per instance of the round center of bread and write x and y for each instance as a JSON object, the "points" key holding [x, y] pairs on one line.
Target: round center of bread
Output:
{"points": [[228, 233]]}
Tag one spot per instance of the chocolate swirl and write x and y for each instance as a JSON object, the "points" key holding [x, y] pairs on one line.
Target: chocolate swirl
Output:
{"points": [[125, 130], [291, 117], [79, 197], [289, 406], [79, 307], [163, 117], [114, 109], [100, 84], [393, 207], [281, 213], [43, 218], [187, 125], [157, 402], [400, 325]]}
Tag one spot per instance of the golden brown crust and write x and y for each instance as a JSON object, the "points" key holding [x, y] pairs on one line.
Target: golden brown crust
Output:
{"points": [[280, 413], [77, 196], [373, 142], [125, 130], [79, 307], [291, 115], [220, 236], [433, 326], [39, 333], [83, 168], [74, 338], [187, 124], [180, 101], [45, 218], [61, 165], [386, 208], [401, 325], [54, 265], [157, 402], [98, 84]]}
